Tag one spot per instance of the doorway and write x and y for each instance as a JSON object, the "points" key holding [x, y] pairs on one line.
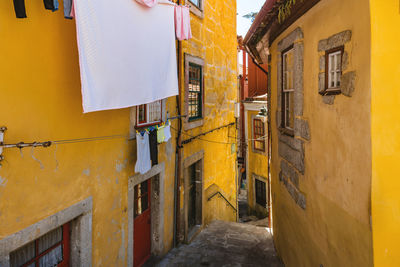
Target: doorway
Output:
{"points": [[193, 207], [194, 198], [142, 223], [146, 215]]}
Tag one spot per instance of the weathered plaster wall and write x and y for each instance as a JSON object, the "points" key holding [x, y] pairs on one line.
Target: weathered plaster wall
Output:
{"points": [[214, 41], [334, 228], [385, 72], [41, 101], [257, 164]]}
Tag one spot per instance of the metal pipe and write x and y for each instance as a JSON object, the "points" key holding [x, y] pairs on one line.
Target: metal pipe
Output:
{"points": [[178, 146]]}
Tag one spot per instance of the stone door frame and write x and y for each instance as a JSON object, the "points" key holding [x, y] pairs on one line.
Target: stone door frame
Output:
{"points": [[189, 161], [157, 176]]}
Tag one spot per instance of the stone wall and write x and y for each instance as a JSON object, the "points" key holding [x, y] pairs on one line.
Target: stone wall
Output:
{"points": [[291, 148]]}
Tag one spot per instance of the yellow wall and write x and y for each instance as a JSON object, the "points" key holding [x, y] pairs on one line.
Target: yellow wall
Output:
{"points": [[41, 100], [214, 40], [385, 72], [41, 96], [335, 229], [258, 164]]}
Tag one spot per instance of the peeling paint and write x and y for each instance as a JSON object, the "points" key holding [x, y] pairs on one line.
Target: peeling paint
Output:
{"points": [[86, 172], [120, 166], [3, 181], [121, 252]]}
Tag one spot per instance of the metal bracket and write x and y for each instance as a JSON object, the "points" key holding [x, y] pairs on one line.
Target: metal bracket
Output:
{"points": [[2, 130]]}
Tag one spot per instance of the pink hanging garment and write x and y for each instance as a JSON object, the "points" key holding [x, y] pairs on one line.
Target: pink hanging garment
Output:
{"points": [[178, 22], [148, 3], [182, 23], [186, 23], [72, 15]]}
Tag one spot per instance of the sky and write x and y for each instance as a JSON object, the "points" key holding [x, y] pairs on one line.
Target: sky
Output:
{"points": [[244, 7]]}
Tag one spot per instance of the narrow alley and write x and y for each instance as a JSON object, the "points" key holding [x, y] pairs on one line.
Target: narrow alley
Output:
{"points": [[226, 244]]}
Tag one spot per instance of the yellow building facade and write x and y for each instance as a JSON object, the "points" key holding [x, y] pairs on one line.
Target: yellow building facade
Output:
{"points": [[91, 183], [323, 168], [257, 171], [212, 49], [385, 68]]}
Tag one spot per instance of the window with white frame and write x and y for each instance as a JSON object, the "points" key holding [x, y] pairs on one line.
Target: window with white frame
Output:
{"points": [[288, 90], [149, 114], [333, 70]]}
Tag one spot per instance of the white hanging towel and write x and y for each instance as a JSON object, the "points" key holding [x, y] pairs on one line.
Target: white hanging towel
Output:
{"points": [[143, 162], [127, 53]]}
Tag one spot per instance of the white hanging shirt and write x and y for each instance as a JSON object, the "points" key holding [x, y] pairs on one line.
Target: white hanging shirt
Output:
{"points": [[167, 133], [127, 53], [143, 163]]}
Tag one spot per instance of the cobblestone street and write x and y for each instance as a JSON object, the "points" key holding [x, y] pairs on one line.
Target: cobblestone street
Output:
{"points": [[226, 244]]}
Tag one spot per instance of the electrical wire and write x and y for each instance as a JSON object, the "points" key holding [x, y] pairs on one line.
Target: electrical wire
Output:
{"points": [[204, 140]]}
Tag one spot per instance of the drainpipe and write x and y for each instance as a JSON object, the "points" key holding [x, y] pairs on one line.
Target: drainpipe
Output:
{"points": [[178, 157]]}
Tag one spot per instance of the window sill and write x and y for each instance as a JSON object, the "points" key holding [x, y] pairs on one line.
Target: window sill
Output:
{"points": [[193, 124], [143, 126], [331, 91], [196, 10], [286, 131], [260, 152]]}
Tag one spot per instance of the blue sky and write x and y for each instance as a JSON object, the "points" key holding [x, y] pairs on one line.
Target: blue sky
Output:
{"points": [[244, 7]]}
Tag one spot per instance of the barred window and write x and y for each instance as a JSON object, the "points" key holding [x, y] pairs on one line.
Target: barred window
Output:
{"points": [[261, 193], [149, 114], [195, 85], [259, 135], [52, 249]]}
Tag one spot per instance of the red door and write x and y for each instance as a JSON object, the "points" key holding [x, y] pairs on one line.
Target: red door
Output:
{"points": [[142, 223]]}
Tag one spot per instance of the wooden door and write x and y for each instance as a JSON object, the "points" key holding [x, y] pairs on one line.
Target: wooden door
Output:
{"points": [[142, 223]]}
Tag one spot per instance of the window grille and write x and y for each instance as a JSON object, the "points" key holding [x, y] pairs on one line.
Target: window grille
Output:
{"points": [[149, 114], [195, 100], [261, 193]]}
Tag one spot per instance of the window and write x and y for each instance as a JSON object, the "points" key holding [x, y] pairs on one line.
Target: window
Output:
{"points": [[149, 114], [261, 193], [52, 249], [142, 198], [259, 133], [333, 70], [287, 122], [195, 99], [197, 3]]}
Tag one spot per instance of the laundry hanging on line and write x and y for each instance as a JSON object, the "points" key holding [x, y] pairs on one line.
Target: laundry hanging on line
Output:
{"points": [[143, 162], [20, 10], [153, 147], [182, 23], [164, 133], [68, 4], [127, 53]]}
